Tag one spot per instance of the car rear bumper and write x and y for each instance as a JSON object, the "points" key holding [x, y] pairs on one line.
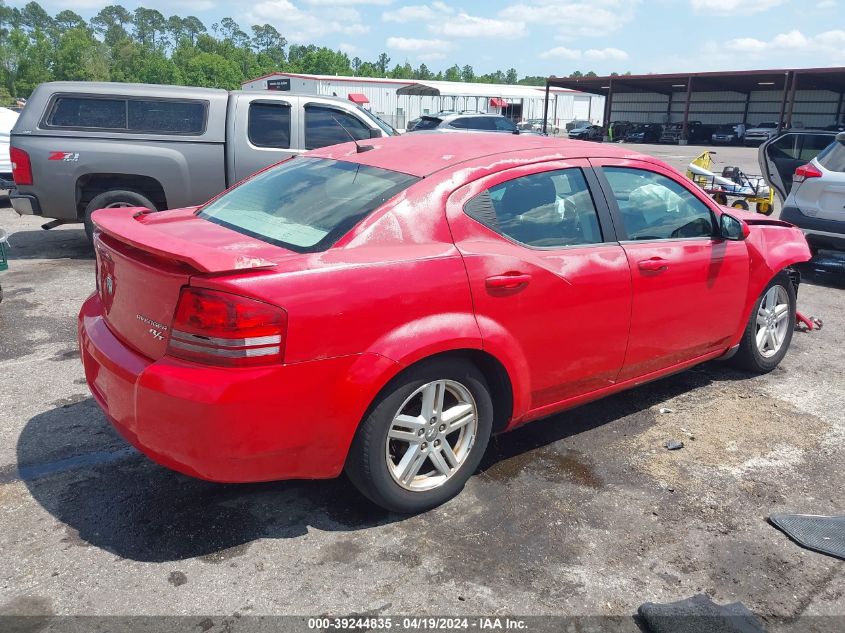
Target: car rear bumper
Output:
{"points": [[229, 425], [820, 232], [25, 204]]}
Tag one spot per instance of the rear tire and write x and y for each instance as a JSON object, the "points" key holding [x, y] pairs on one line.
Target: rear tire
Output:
{"points": [[740, 204], [768, 332], [114, 198], [398, 458]]}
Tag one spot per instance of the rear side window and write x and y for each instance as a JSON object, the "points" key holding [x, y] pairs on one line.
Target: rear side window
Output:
{"points": [[166, 117], [152, 116], [552, 209], [813, 144], [474, 123], [305, 204], [268, 125], [325, 126], [833, 158], [74, 112]]}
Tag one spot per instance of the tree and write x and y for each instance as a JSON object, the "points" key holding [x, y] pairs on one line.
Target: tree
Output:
{"points": [[356, 65], [213, 71], [511, 76], [67, 20], [111, 23], [193, 28], [79, 58], [148, 23], [422, 72], [381, 64], [453, 73], [467, 73], [34, 17]]}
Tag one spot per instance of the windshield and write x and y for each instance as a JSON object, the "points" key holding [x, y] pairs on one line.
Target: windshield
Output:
{"points": [[305, 204], [384, 125]]}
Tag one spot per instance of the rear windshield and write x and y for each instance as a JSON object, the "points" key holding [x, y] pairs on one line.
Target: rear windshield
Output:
{"points": [[305, 204], [427, 123], [832, 157]]}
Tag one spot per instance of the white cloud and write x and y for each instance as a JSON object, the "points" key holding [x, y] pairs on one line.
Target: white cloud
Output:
{"points": [[746, 45], [602, 54], [734, 7], [432, 57], [826, 4], [417, 13], [599, 54], [349, 49], [337, 3], [302, 27], [561, 52], [580, 18], [414, 45], [828, 44], [465, 25]]}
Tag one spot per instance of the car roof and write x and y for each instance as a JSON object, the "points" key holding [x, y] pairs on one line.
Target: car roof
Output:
{"points": [[422, 154]]}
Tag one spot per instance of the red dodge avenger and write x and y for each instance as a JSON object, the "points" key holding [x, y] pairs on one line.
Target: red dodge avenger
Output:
{"points": [[381, 309]]}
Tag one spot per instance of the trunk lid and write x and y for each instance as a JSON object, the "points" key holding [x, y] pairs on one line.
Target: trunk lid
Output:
{"points": [[144, 259]]}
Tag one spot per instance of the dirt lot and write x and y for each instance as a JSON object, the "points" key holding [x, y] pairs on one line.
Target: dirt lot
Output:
{"points": [[582, 514]]}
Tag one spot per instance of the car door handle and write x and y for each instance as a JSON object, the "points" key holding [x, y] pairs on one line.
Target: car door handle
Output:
{"points": [[508, 281], [654, 265]]}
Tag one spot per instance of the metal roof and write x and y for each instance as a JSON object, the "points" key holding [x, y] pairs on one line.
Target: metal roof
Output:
{"points": [[738, 81], [432, 88]]}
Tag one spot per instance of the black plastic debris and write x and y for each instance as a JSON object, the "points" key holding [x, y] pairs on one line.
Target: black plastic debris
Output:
{"points": [[825, 534], [673, 445], [698, 614]]}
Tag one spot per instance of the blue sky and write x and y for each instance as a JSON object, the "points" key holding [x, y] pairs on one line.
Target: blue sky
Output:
{"points": [[542, 37]]}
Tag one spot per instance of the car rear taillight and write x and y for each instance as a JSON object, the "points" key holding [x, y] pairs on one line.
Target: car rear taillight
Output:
{"points": [[21, 167], [220, 328], [806, 171]]}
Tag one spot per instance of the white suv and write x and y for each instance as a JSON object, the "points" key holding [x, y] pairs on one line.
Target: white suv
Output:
{"points": [[816, 202]]}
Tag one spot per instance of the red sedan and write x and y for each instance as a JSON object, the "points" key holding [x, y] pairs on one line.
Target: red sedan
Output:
{"points": [[383, 309]]}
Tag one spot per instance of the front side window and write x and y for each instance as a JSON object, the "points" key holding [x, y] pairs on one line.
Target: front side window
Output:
{"points": [[330, 126], [655, 207], [268, 125], [545, 210], [305, 204]]}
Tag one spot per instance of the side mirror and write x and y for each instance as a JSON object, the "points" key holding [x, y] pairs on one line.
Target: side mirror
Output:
{"points": [[731, 228], [375, 133]]}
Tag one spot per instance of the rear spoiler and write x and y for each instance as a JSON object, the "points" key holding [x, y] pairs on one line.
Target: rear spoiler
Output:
{"points": [[139, 228]]}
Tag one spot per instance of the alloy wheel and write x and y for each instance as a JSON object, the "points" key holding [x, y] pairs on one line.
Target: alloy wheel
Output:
{"points": [[772, 321], [431, 435]]}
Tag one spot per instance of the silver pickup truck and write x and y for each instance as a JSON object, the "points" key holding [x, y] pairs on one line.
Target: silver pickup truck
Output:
{"points": [[80, 146]]}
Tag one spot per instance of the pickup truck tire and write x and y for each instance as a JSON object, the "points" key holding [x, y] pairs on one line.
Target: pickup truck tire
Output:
{"points": [[114, 198]]}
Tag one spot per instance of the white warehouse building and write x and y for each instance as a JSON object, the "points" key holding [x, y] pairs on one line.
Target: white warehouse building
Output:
{"points": [[398, 101]]}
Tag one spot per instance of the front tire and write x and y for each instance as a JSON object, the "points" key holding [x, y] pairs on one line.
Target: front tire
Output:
{"points": [[424, 437], [769, 330], [110, 199]]}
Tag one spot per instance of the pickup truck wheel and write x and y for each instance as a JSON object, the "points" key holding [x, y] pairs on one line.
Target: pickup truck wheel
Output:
{"points": [[424, 437], [769, 330], [110, 199]]}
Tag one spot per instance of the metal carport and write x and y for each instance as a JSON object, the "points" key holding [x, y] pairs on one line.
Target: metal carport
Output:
{"points": [[781, 94]]}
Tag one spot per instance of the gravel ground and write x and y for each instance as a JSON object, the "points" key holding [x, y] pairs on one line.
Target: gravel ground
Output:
{"points": [[584, 513]]}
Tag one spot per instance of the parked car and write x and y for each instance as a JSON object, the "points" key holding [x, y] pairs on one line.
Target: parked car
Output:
{"points": [[697, 132], [814, 191], [7, 121], [577, 123], [477, 122], [383, 312], [760, 133], [587, 132], [644, 133], [81, 146], [728, 134], [536, 126]]}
